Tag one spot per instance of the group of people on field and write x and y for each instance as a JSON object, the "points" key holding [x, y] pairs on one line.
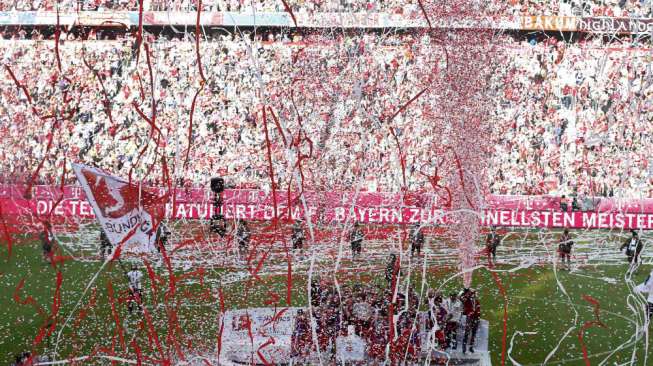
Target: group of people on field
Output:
{"points": [[446, 315], [357, 235], [243, 236], [364, 324], [632, 247], [162, 236], [363, 311], [134, 275]]}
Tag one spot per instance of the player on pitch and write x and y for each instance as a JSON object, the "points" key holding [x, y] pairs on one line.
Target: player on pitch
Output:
{"points": [[492, 241], [135, 289], [564, 248]]}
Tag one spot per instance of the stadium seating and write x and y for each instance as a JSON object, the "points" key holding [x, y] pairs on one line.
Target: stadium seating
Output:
{"points": [[558, 100]]}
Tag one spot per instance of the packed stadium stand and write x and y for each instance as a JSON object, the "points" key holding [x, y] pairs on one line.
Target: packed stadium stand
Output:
{"points": [[555, 129]]}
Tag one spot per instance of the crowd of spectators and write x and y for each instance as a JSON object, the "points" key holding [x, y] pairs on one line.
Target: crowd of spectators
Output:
{"points": [[589, 130], [617, 8], [571, 117]]}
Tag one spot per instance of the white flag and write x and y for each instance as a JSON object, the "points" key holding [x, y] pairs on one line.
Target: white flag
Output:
{"points": [[128, 213]]}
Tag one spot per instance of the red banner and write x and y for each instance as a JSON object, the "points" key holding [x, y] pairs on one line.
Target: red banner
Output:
{"points": [[572, 220], [368, 207]]}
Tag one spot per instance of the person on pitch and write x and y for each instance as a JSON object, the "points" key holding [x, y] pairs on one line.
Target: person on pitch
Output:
{"points": [[218, 224], [633, 247], [356, 240], [647, 287], [472, 311], [301, 336], [105, 244], [377, 339], [297, 237], [135, 290], [162, 237], [436, 319], [492, 241], [392, 269], [47, 241], [242, 237], [416, 240], [316, 291], [564, 248], [454, 312]]}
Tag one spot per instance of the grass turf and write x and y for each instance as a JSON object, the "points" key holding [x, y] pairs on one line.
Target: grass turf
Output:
{"points": [[536, 306]]}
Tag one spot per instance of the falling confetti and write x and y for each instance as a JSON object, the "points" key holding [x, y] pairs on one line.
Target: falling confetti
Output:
{"points": [[395, 178]]}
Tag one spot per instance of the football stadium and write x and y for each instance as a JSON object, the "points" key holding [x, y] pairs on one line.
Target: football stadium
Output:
{"points": [[323, 182]]}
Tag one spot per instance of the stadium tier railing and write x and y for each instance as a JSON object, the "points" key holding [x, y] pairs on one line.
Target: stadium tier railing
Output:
{"points": [[612, 25]]}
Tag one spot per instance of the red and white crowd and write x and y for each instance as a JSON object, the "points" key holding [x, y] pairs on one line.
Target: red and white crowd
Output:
{"points": [[625, 8], [571, 117]]}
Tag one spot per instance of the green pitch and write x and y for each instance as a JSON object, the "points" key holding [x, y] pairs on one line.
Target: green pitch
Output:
{"points": [[539, 313]]}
